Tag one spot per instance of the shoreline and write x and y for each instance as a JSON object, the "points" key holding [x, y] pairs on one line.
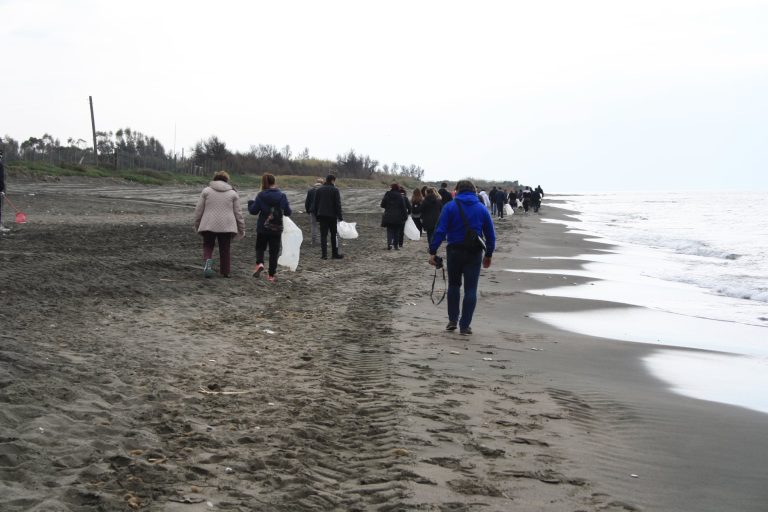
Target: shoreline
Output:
{"points": [[689, 454]]}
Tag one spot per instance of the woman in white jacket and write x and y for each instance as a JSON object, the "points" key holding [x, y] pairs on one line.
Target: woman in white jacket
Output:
{"points": [[218, 216]]}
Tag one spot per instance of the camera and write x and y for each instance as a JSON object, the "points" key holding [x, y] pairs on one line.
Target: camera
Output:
{"points": [[438, 261]]}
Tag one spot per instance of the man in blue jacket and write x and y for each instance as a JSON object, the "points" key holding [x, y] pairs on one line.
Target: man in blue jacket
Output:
{"points": [[463, 261]]}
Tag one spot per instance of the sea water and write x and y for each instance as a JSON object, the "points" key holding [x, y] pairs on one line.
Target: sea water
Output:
{"points": [[696, 264]]}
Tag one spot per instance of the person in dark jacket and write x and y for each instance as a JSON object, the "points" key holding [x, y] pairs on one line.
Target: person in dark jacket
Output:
{"points": [[308, 208], [3, 229], [501, 200], [463, 262], [416, 201], [395, 215], [512, 198], [430, 212], [535, 200], [492, 198], [445, 196], [269, 231], [327, 209], [408, 209], [526, 199]]}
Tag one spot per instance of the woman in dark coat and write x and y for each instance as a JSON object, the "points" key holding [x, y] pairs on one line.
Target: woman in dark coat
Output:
{"points": [[395, 215], [408, 209], [430, 212], [416, 200], [269, 204]]}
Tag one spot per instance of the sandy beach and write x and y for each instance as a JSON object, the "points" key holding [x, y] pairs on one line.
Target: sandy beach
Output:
{"points": [[130, 382]]}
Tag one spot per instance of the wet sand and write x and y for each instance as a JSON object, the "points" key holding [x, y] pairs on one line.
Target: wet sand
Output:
{"points": [[130, 382]]}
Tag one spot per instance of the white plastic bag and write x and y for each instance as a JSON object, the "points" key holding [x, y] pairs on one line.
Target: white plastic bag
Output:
{"points": [[347, 230], [291, 244], [411, 231], [508, 209]]}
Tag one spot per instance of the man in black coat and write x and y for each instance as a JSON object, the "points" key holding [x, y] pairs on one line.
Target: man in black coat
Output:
{"points": [[308, 208], [535, 200], [445, 196], [492, 199], [327, 208], [501, 200]]}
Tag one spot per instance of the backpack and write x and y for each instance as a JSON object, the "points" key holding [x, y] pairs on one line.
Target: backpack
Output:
{"points": [[274, 221]]}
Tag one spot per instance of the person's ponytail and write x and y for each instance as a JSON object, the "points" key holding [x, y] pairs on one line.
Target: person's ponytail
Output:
{"points": [[267, 180]]}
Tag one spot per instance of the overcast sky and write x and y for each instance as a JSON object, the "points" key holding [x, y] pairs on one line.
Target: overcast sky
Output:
{"points": [[572, 95]]}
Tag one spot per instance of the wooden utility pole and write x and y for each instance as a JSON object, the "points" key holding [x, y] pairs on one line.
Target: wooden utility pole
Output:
{"points": [[93, 128]]}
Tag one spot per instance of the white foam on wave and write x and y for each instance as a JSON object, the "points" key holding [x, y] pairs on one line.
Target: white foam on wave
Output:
{"points": [[734, 380], [642, 325], [622, 276], [732, 372], [706, 292], [709, 239]]}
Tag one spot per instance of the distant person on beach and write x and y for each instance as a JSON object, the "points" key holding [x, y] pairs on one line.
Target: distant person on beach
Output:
{"points": [[327, 209], [512, 198], [485, 198], [540, 190], [218, 216], [308, 207], [430, 212], [464, 222], [535, 200], [526, 199], [270, 204], [416, 202], [501, 200], [395, 215], [3, 229], [445, 196], [492, 199], [408, 209]]}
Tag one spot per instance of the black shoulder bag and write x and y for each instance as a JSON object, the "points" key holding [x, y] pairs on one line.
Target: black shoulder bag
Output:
{"points": [[472, 240]]}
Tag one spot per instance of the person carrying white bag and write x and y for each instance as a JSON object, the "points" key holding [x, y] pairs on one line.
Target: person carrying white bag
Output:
{"points": [[395, 215], [271, 205]]}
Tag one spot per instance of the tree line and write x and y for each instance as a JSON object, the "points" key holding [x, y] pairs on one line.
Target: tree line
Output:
{"points": [[128, 148]]}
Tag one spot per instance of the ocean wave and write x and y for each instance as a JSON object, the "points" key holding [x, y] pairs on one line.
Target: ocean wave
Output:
{"points": [[697, 248], [690, 248], [736, 292], [743, 293]]}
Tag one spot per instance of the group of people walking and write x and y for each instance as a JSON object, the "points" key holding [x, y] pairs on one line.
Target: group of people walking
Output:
{"points": [[219, 218], [462, 219], [423, 207], [524, 198], [459, 218]]}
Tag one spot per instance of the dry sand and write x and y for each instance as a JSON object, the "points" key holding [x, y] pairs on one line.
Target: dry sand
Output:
{"points": [[129, 382]]}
